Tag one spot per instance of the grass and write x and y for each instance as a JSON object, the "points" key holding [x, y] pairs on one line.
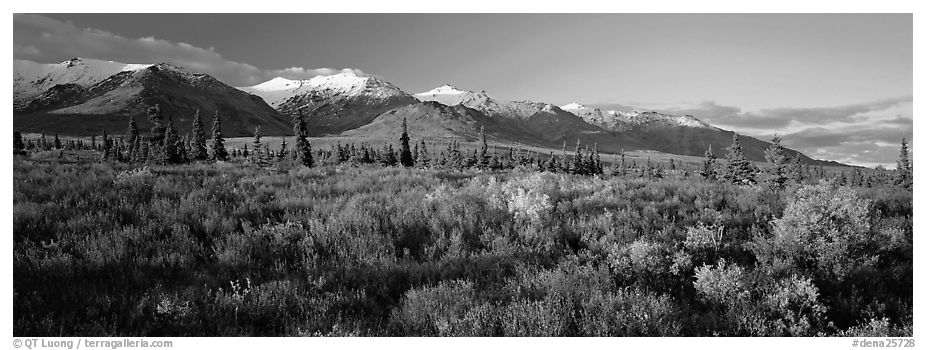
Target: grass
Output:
{"points": [[234, 249]]}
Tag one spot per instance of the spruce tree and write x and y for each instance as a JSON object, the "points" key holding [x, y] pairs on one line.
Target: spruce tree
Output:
{"points": [[18, 146], [577, 163], [132, 138], [170, 154], [904, 169], [105, 145], [405, 153], [740, 171], [303, 148], [551, 164], [198, 147], [484, 150], [281, 155], [777, 175], [423, 160], [218, 142], [57, 143], [707, 168], [258, 153], [157, 124]]}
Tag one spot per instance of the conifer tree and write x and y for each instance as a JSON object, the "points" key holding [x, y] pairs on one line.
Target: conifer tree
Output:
{"points": [[281, 155], [170, 154], [92, 141], [707, 168], [303, 148], [18, 146], [157, 124], [405, 153], [777, 175], [258, 155], [132, 138], [577, 162], [218, 142], [484, 150], [551, 165], [198, 143], [57, 143], [740, 171], [904, 169], [105, 145], [423, 160]]}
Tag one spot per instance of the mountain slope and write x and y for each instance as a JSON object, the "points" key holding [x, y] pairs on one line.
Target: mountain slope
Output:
{"points": [[334, 103], [31, 79], [437, 122], [178, 93]]}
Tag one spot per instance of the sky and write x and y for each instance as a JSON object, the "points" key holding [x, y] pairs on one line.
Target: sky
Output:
{"points": [[836, 86]]}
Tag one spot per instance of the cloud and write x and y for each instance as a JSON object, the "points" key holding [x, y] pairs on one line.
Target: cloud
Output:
{"points": [[40, 38], [865, 134]]}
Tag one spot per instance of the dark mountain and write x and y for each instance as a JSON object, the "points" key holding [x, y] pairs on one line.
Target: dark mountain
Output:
{"points": [[129, 93]]}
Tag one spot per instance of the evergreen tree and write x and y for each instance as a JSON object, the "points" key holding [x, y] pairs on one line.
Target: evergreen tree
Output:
{"points": [[218, 142], [904, 170], [170, 153], [577, 162], [740, 171], [18, 146], [92, 141], [281, 155], [132, 138], [796, 170], [405, 153], [303, 147], [258, 155], [157, 124], [777, 175], [105, 145], [423, 160], [484, 150], [551, 165], [198, 143], [57, 142], [707, 168]]}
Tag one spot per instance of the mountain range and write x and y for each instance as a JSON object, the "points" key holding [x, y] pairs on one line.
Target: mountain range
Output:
{"points": [[84, 96]]}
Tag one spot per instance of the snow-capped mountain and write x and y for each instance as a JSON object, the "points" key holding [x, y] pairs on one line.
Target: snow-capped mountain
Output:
{"points": [[109, 103], [332, 103], [594, 116], [278, 90], [31, 79], [643, 118]]}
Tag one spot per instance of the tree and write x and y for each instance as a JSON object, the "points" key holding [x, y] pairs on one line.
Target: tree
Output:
{"points": [[551, 164], [106, 145], [904, 166], [170, 152], [57, 143], [218, 143], [157, 123], [257, 151], [405, 153], [577, 163], [707, 168], [282, 153], [484, 150], [303, 148], [423, 160], [132, 138], [740, 171], [777, 175], [198, 146], [18, 146]]}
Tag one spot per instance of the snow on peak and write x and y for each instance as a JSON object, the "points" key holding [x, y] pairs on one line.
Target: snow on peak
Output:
{"points": [[31, 78], [347, 83], [572, 106], [278, 83], [445, 89]]}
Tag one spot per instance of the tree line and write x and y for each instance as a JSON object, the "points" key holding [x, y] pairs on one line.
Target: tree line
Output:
{"points": [[163, 145]]}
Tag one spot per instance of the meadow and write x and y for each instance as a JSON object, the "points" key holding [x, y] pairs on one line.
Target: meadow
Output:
{"points": [[242, 249]]}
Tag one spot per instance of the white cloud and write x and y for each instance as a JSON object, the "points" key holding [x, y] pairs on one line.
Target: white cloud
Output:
{"points": [[40, 38]]}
